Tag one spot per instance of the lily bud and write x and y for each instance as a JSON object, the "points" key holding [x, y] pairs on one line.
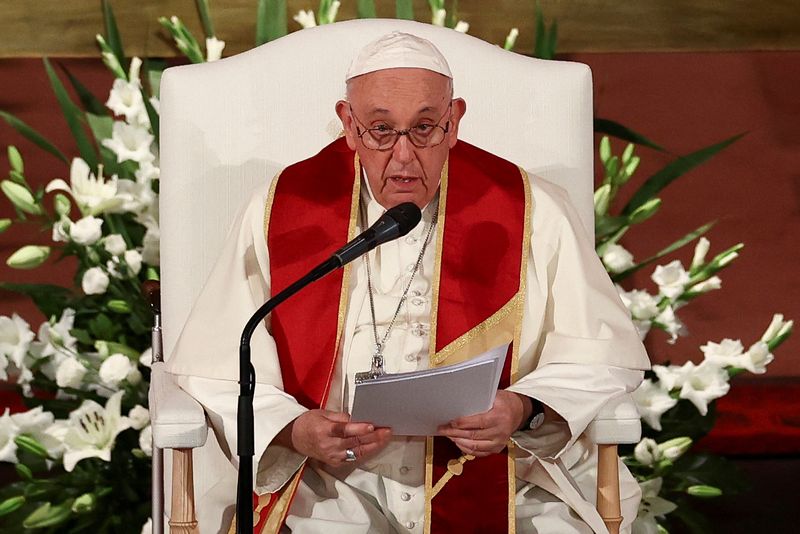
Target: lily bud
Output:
{"points": [[20, 197], [11, 504], [645, 211], [626, 155], [15, 159], [727, 258], [647, 452], [24, 472], [700, 251], [674, 448], [632, 165], [29, 444], [4, 225], [511, 39], [85, 503], [602, 197], [28, 257], [47, 515], [62, 205], [118, 306], [703, 491], [605, 149]]}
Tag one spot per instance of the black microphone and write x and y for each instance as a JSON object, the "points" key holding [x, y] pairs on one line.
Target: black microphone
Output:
{"points": [[396, 222]]}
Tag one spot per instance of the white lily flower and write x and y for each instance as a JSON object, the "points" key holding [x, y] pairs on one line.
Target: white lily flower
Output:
{"points": [[672, 376], [214, 48], [708, 285], [616, 258], [146, 440], [87, 231], [151, 244], [136, 196], [438, 16], [773, 328], [671, 324], [705, 383], [70, 373], [461, 26], [93, 194], [700, 251], [93, 430], [147, 528], [139, 416], [641, 304], [305, 18], [652, 401], [147, 172], [115, 244], [115, 369], [55, 340], [125, 99], [15, 339], [650, 507], [647, 452], [725, 353], [95, 281], [8, 431], [156, 103], [146, 358], [134, 260], [671, 279], [33, 422], [756, 358], [130, 143], [61, 230]]}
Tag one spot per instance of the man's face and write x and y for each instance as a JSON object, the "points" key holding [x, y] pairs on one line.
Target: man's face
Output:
{"points": [[399, 99]]}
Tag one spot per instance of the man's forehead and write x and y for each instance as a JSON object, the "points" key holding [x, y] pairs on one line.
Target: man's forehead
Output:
{"points": [[382, 92]]}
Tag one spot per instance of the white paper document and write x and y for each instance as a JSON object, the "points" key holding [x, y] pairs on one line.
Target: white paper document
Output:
{"points": [[416, 403]]}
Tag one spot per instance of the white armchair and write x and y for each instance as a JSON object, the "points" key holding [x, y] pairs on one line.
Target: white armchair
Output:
{"points": [[229, 125]]}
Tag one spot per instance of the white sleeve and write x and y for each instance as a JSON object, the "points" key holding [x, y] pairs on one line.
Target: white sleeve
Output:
{"points": [[207, 352], [579, 348]]}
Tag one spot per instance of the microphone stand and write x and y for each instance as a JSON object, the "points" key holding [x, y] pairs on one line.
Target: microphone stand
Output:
{"points": [[247, 384]]}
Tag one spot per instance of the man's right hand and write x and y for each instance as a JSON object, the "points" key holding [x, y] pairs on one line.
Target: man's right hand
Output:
{"points": [[325, 436]]}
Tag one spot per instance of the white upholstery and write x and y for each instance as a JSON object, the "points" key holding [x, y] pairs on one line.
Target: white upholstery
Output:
{"points": [[177, 419], [617, 422]]}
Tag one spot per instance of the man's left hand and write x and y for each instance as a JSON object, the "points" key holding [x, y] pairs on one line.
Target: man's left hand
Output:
{"points": [[488, 432]]}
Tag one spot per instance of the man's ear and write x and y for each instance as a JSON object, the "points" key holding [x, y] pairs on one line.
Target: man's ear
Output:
{"points": [[459, 109], [343, 111]]}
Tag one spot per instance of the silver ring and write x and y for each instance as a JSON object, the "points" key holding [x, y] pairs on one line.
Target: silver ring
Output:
{"points": [[349, 455]]}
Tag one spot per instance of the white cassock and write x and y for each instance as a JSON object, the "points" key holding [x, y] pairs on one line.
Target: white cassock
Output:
{"points": [[578, 349]]}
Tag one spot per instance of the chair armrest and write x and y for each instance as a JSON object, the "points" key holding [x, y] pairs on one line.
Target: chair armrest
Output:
{"points": [[618, 422], [178, 420]]}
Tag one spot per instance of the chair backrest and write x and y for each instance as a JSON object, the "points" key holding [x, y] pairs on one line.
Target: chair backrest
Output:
{"points": [[230, 125]]}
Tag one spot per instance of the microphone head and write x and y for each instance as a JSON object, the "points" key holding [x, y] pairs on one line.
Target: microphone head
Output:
{"points": [[407, 215]]}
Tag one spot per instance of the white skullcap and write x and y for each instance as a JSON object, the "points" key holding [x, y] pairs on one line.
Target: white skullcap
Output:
{"points": [[398, 50]]}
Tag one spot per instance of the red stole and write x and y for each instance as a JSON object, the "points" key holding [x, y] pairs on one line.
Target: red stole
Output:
{"points": [[480, 266]]}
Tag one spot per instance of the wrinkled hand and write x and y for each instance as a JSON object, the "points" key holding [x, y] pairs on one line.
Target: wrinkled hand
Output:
{"points": [[325, 435], [488, 432]]}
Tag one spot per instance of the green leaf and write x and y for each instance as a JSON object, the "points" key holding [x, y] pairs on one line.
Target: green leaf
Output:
{"points": [[153, 75], [49, 299], [90, 102], [674, 170], [112, 34], [32, 135], [404, 9], [609, 127], [688, 238], [102, 327], [366, 9], [48, 516], [539, 43], [11, 504], [205, 18], [15, 159], [101, 126], [605, 225], [552, 41], [270, 20], [152, 114], [73, 116]]}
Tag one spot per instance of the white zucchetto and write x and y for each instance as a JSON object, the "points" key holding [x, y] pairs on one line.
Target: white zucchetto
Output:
{"points": [[398, 50]]}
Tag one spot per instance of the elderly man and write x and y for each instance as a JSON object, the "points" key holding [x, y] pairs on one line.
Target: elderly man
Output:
{"points": [[498, 258]]}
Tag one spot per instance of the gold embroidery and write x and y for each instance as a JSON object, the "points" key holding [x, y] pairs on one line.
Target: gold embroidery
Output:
{"points": [[428, 483], [281, 509], [489, 327], [268, 205], [512, 489], [454, 468]]}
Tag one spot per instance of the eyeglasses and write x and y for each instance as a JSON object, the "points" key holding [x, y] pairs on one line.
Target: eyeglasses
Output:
{"points": [[422, 135]]}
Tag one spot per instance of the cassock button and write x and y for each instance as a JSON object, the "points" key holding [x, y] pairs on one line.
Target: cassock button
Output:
{"points": [[410, 267], [406, 497], [416, 293], [411, 358], [418, 301], [404, 470], [411, 240], [410, 524]]}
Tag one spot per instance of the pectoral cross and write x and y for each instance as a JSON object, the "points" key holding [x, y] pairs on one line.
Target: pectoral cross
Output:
{"points": [[377, 366]]}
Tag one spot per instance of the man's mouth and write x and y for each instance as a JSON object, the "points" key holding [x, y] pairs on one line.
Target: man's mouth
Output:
{"points": [[403, 179]]}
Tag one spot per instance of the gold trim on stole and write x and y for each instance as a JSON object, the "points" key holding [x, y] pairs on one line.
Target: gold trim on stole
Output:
{"points": [[280, 510], [507, 320]]}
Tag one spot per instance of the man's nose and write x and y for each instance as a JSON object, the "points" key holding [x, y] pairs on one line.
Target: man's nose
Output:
{"points": [[403, 150]]}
